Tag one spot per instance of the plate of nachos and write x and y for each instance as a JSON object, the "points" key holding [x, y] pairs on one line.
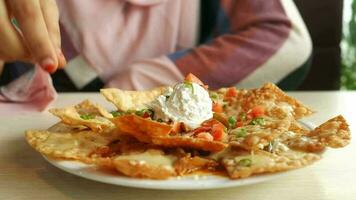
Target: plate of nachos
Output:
{"points": [[187, 136]]}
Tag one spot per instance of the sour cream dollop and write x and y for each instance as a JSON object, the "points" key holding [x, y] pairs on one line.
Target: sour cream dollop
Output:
{"points": [[186, 102]]}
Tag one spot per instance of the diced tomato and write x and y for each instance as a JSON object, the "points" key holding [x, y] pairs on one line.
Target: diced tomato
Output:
{"points": [[146, 115], [216, 128], [231, 92], [218, 108], [239, 124], [218, 132], [257, 111], [193, 79]]}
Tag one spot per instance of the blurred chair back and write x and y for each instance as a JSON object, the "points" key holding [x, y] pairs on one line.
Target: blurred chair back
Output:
{"points": [[324, 21]]}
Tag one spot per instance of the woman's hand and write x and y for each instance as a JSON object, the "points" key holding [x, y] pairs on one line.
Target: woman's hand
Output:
{"points": [[36, 38]]}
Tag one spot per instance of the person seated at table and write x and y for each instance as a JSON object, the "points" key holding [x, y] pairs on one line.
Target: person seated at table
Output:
{"points": [[140, 44]]}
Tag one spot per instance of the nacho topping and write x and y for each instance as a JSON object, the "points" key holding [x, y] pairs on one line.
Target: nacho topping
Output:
{"points": [[168, 132], [187, 102], [86, 114]]}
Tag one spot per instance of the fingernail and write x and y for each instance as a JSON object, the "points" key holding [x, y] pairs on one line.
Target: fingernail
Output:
{"points": [[48, 65]]}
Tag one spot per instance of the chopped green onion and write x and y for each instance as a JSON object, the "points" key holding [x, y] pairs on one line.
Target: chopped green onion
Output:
{"points": [[87, 116], [224, 105], [117, 113], [143, 111], [189, 85], [160, 120], [245, 162], [243, 116], [214, 97], [258, 121], [240, 132], [232, 122]]}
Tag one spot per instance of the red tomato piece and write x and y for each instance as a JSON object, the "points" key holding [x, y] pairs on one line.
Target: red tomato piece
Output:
{"points": [[218, 108], [146, 115], [231, 92], [239, 124], [218, 132], [193, 79], [257, 111]]}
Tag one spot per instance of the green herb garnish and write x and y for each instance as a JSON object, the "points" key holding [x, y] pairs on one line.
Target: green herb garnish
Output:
{"points": [[143, 111], [225, 129], [160, 120], [240, 132], [258, 121], [246, 162], [87, 116], [189, 85], [214, 97], [224, 105], [232, 122], [243, 116], [117, 113]]}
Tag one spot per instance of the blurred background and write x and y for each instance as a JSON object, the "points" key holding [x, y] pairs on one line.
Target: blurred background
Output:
{"points": [[332, 25], [348, 46]]}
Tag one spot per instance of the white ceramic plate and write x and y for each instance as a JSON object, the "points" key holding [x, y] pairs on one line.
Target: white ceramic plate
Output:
{"points": [[193, 182]]}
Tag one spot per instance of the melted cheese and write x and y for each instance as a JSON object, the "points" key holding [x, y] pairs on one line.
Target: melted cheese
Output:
{"points": [[256, 160], [84, 142], [151, 157]]}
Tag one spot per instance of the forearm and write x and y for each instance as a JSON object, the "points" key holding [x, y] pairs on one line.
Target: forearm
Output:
{"points": [[262, 35]]}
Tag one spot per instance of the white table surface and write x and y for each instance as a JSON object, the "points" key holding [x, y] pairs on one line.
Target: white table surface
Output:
{"points": [[24, 174]]}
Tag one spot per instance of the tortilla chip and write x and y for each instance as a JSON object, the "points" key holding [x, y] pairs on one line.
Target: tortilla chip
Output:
{"points": [[88, 107], [90, 147], [189, 164], [276, 102], [131, 100], [141, 128], [242, 164], [61, 127], [98, 119], [258, 136], [306, 144], [189, 142], [72, 145], [150, 131], [334, 133], [298, 128], [152, 163]]}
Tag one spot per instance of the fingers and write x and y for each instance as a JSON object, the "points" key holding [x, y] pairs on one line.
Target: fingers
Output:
{"points": [[11, 44], [51, 16], [34, 31]]}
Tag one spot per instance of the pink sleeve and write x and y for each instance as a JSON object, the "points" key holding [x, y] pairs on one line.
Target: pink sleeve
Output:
{"points": [[146, 74], [33, 91], [256, 31]]}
